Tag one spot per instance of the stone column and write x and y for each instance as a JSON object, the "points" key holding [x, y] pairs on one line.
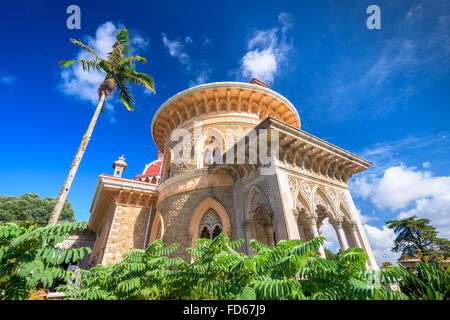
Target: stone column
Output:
{"points": [[250, 233], [352, 226], [311, 222], [337, 224], [270, 230]]}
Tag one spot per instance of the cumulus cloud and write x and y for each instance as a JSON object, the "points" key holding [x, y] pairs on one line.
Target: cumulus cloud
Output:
{"points": [[327, 231], [84, 85], [381, 241], [267, 51], [412, 192], [177, 50]]}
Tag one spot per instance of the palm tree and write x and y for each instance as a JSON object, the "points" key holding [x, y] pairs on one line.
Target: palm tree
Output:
{"points": [[119, 71]]}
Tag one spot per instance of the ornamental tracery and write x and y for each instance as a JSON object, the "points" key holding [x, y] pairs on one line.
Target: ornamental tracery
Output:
{"points": [[257, 198], [210, 225]]}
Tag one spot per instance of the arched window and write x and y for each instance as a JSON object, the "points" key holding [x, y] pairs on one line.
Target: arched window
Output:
{"points": [[205, 233], [212, 150], [210, 225], [216, 232]]}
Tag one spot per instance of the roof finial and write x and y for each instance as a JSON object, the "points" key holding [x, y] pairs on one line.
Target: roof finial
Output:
{"points": [[119, 165]]}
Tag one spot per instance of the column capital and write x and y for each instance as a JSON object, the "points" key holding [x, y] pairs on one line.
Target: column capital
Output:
{"points": [[310, 218], [336, 222], [351, 225]]}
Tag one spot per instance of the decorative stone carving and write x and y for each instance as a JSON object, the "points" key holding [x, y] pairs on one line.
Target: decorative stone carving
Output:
{"points": [[310, 218], [307, 188], [210, 220], [336, 222], [318, 200], [351, 225], [343, 201], [259, 199], [292, 186]]}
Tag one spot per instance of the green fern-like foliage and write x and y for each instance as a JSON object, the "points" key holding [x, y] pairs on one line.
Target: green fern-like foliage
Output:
{"points": [[347, 278], [219, 270], [141, 275], [30, 257], [431, 281]]}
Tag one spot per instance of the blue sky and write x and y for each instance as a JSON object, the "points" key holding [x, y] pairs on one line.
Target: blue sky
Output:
{"points": [[382, 94]]}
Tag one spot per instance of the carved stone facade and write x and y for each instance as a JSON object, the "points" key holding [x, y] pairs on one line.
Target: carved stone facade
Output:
{"points": [[211, 191]]}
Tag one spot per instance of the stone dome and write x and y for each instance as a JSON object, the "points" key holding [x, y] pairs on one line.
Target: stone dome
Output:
{"points": [[221, 98]]}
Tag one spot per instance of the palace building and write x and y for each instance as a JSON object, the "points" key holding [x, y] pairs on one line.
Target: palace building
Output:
{"points": [[210, 177]]}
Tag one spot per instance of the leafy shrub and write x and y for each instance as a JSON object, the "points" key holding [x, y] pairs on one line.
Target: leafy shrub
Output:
{"points": [[142, 274], [290, 270], [30, 258], [430, 281]]}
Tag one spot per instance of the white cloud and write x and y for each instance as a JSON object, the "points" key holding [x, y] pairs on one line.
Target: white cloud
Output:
{"points": [[267, 51], [207, 43], [366, 218], [139, 42], [426, 164], [200, 70], [84, 85], [177, 50], [413, 191], [381, 241], [327, 231], [7, 79]]}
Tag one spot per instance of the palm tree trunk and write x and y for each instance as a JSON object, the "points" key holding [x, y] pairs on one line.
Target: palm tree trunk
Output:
{"points": [[76, 162]]}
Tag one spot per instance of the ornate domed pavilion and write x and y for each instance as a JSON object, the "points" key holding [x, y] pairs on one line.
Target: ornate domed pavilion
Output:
{"points": [[233, 159]]}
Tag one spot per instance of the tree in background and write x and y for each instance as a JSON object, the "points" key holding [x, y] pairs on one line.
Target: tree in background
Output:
{"points": [[118, 70], [30, 207], [415, 234]]}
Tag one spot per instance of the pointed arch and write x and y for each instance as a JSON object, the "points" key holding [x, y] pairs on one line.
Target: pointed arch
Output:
{"points": [[255, 198], [344, 212], [320, 198], [202, 208], [157, 228], [301, 199], [200, 146]]}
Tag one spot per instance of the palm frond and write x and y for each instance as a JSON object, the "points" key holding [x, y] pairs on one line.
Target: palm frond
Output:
{"points": [[85, 46]]}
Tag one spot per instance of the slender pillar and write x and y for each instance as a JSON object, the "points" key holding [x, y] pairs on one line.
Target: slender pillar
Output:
{"points": [[270, 230], [352, 225], [311, 221], [337, 224], [250, 233]]}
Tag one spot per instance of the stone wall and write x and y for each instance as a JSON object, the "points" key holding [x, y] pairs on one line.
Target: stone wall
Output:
{"points": [[127, 231], [178, 210], [229, 130]]}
